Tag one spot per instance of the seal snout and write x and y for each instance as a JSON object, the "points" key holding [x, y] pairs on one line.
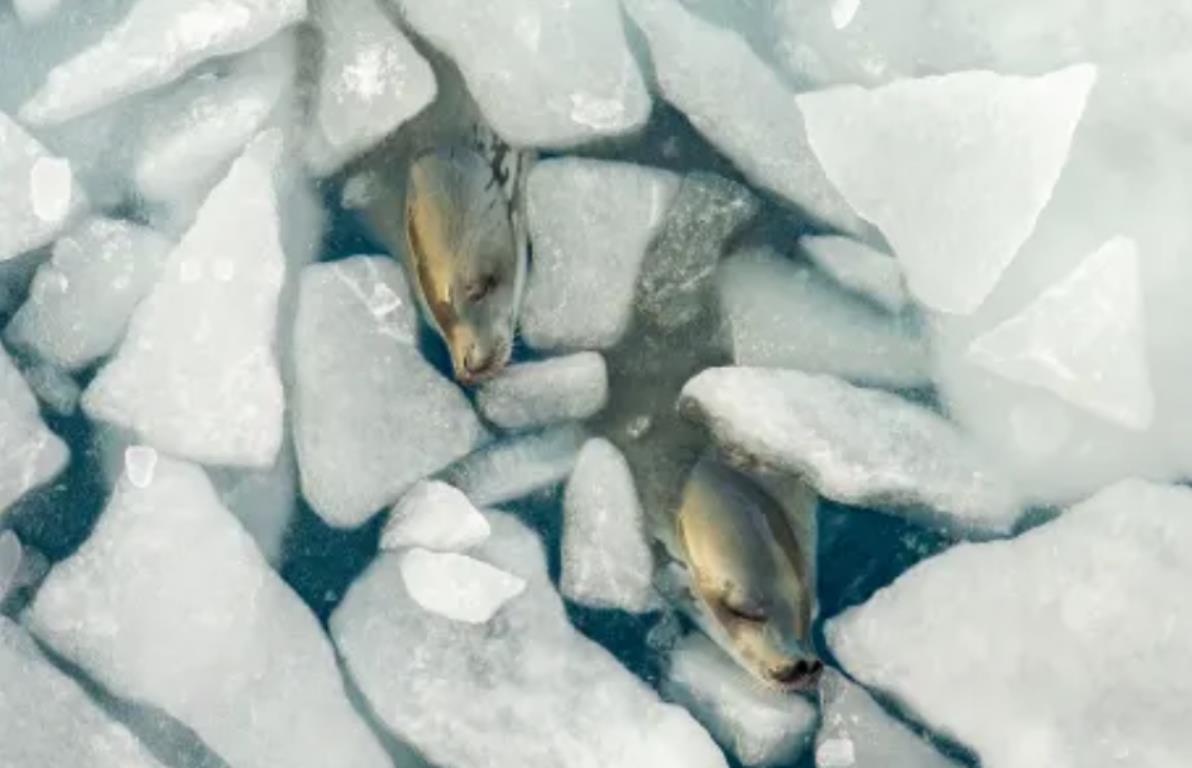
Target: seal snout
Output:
{"points": [[478, 363], [800, 674]]}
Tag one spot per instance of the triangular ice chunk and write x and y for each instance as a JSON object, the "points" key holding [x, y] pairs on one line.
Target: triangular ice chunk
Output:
{"points": [[196, 376], [1082, 339], [954, 170], [434, 516], [157, 42], [456, 586]]}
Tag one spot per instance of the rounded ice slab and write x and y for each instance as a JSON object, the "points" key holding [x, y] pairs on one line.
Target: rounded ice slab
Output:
{"points": [[81, 300], [567, 388], [592, 223], [457, 587], [170, 603], [953, 169], [38, 194], [859, 268], [435, 516], [523, 689], [761, 727], [1068, 646], [561, 74], [196, 374], [371, 416], [606, 555], [156, 43], [372, 80], [857, 446]]}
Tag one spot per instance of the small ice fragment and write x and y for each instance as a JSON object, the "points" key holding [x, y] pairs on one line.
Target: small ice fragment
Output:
{"points": [[456, 586], [51, 189], [784, 314], [10, 562], [953, 169], [1082, 339], [567, 388], [857, 446], [761, 727], [859, 268], [605, 551], [564, 73], [518, 466], [436, 516], [843, 12], [139, 463], [591, 222]]}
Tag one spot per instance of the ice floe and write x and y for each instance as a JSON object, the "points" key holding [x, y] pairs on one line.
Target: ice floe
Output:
{"points": [[568, 388], [436, 516], [518, 466]]}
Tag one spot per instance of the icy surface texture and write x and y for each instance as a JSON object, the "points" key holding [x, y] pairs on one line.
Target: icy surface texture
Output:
{"points": [[954, 170], [560, 75], [457, 587], [170, 603], [854, 445], [518, 466], [1065, 647], [735, 100], [30, 454], [372, 417], [435, 516], [787, 315], [591, 223], [263, 500], [855, 732], [157, 42], [859, 268], [572, 387], [372, 81], [1067, 408], [606, 549], [523, 688], [196, 376], [759, 726], [38, 193], [46, 721], [81, 300]]}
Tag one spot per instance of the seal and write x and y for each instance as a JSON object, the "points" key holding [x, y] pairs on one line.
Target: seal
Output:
{"points": [[445, 195]]}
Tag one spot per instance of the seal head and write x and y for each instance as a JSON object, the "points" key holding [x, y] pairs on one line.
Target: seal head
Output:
{"points": [[463, 253]]}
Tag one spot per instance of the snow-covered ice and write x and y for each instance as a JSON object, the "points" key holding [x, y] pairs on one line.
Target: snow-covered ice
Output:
{"points": [[567, 388], [591, 222], [859, 268], [786, 315], [1067, 646], [196, 375], [855, 732], [47, 721], [854, 445], [518, 466], [953, 169], [30, 454], [739, 104], [38, 195], [456, 586], [371, 416], [605, 551], [523, 689], [561, 74], [191, 134], [81, 300], [372, 80], [170, 603], [154, 44], [759, 726], [1082, 339], [435, 516]]}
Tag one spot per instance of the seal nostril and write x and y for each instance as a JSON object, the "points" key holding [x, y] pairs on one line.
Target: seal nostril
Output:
{"points": [[797, 672]]}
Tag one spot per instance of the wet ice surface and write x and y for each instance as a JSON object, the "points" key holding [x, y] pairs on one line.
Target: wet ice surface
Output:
{"points": [[247, 517]]}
